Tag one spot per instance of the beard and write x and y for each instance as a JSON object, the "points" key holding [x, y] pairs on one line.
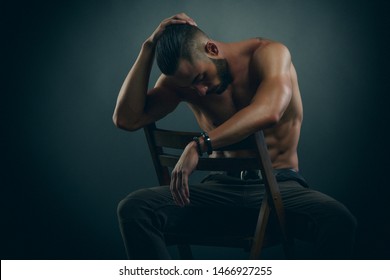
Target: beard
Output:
{"points": [[224, 76]]}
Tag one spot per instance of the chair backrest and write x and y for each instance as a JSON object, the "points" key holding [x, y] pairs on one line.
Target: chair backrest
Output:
{"points": [[163, 145]]}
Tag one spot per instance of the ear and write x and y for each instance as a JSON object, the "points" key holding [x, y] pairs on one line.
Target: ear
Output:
{"points": [[211, 48]]}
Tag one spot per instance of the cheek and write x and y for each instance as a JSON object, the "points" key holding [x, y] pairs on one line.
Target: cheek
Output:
{"points": [[214, 76], [216, 80]]}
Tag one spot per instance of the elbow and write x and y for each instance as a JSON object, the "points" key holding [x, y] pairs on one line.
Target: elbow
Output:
{"points": [[265, 122], [268, 121], [273, 119], [117, 121], [274, 114], [124, 123]]}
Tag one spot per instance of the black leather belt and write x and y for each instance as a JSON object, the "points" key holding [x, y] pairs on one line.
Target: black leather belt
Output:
{"points": [[284, 174], [254, 176]]}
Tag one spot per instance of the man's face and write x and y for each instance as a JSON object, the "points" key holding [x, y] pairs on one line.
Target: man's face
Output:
{"points": [[206, 76]]}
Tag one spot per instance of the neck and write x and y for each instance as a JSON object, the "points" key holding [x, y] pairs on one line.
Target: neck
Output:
{"points": [[226, 51], [234, 56]]}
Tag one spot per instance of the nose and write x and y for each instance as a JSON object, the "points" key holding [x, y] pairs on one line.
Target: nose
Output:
{"points": [[201, 89]]}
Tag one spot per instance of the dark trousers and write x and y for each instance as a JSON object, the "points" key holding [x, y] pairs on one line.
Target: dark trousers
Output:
{"points": [[222, 204]]}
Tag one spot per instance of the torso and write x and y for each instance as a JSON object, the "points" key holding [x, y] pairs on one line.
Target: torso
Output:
{"points": [[282, 138]]}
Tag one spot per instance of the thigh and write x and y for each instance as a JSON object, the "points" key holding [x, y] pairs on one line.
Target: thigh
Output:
{"points": [[214, 209], [308, 211], [220, 209]]}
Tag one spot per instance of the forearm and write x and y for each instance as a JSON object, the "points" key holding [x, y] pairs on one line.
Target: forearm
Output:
{"points": [[241, 125], [132, 95]]}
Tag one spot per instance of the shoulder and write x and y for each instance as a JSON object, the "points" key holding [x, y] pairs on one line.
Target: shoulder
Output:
{"points": [[271, 50], [271, 55]]}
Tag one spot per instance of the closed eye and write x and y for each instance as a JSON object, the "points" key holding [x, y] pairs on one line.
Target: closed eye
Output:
{"points": [[199, 78]]}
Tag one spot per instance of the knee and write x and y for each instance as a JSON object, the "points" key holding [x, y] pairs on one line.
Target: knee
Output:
{"points": [[343, 221], [133, 206]]}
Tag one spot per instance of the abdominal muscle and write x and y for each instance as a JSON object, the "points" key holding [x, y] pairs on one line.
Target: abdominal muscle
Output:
{"points": [[282, 142]]}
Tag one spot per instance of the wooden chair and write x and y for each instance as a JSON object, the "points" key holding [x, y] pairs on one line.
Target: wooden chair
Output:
{"points": [[161, 142]]}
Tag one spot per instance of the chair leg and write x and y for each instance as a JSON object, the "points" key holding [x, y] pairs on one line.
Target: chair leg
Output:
{"points": [[260, 229], [185, 252]]}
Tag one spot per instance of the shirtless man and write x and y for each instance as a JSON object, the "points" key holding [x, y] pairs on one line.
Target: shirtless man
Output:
{"points": [[233, 89]]}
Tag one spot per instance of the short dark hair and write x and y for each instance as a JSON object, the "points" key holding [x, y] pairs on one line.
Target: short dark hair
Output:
{"points": [[177, 41]]}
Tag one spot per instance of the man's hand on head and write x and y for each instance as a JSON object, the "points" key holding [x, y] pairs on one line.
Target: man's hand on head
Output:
{"points": [[181, 18]]}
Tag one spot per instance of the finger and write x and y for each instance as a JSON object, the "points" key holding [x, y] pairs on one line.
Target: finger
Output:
{"points": [[187, 21], [192, 22], [181, 16], [177, 21], [172, 188], [175, 183], [178, 189], [185, 189], [186, 18], [169, 21]]}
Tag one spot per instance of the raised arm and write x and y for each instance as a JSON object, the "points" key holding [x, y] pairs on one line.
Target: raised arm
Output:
{"points": [[136, 107]]}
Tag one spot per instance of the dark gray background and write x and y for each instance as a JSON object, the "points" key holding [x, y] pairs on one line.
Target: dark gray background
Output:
{"points": [[65, 166]]}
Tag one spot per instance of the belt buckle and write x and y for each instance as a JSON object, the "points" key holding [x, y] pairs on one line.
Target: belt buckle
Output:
{"points": [[242, 174]]}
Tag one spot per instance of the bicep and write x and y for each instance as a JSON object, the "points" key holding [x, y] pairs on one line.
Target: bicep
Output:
{"points": [[275, 90], [273, 95]]}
